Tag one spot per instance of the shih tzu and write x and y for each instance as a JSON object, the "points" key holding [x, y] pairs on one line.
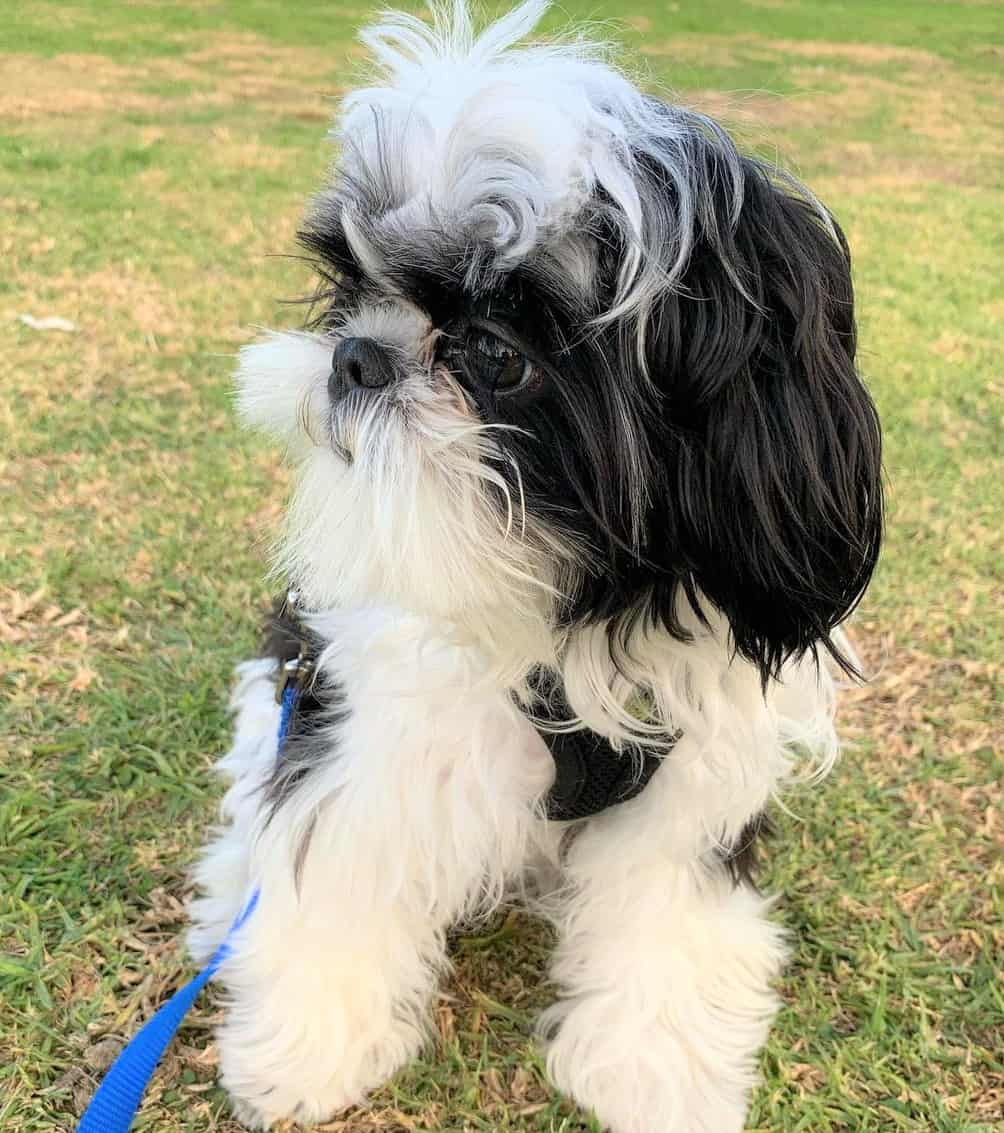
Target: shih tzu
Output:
{"points": [[587, 482]]}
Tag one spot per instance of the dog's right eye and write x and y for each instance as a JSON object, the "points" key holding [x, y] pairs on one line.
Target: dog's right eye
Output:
{"points": [[493, 363], [501, 367]]}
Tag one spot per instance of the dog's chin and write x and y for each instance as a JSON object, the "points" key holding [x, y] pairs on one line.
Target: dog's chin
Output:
{"points": [[402, 503]]}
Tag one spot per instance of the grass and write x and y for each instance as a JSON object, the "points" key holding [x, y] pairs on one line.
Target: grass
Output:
{"points": [[152, 158]]}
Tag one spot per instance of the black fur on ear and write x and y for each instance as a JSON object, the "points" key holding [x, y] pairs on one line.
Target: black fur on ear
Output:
{"points": [[771, 508]]}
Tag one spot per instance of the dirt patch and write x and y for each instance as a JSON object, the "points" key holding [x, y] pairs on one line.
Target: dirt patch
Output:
{"points": [[859, 98], [239, 153], [856, 168], [245, 50], [940, 113], [868, 53], [281, 81], [748, 112], [114, 298], [55, 647], [917, 703], [693, 51], [66, 85], [941, 133], [945, 132], [913, 696], [240, 56], [730, 51]]}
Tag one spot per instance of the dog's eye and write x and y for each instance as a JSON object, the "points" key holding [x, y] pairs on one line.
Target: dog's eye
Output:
{"points": [[499, 366], [345, 280]]}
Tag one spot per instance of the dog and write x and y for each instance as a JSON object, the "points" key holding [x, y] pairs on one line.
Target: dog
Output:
{"points": [[586, 484]]}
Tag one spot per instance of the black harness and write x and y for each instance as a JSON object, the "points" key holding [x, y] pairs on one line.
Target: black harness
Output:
{"points": [[590, 775]]}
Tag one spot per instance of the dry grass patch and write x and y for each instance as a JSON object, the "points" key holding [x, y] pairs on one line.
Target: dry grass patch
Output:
{"points": [[67, 86], [944, 133], [859, 53], [280, 81]]}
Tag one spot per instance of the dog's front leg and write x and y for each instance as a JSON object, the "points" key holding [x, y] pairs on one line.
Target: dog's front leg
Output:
{"points": [[412, 808], [665, 968]]}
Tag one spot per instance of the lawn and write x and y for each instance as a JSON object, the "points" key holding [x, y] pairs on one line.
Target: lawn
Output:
{"points": [[153, 160]]}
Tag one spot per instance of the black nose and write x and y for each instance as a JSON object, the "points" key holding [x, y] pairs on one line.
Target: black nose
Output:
{"points": [[360, 362]]}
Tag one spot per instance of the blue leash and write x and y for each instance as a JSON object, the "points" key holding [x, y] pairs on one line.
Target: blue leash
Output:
{"points": [[118, 1097]]}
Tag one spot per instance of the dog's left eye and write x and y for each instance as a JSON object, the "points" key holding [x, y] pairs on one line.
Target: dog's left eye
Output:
{"points": [[497, 364]]}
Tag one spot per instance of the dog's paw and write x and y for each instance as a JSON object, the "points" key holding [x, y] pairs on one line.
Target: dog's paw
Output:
{"points": [[248, 1114], [653, 1084], [265, 1106], [263, 1090]]}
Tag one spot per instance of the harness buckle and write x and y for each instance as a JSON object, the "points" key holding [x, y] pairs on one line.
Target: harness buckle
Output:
{"points": [[297, 670]]}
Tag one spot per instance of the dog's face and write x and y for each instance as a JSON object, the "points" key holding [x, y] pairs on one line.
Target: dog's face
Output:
{"points": [[574, 359]]}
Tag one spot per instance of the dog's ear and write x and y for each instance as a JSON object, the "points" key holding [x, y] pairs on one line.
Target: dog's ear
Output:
{"points": [[774, 450]]}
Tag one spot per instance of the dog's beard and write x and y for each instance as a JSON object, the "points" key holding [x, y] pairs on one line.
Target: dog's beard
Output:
{"points": [[405, 497]]}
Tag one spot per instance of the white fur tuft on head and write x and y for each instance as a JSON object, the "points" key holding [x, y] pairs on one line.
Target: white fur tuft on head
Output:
{"points": [[512, 142]]}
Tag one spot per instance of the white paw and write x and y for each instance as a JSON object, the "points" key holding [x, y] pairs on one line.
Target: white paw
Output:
{"points": [[645, 1080], [260, 1096], [279, 1066], [254, 1115]]}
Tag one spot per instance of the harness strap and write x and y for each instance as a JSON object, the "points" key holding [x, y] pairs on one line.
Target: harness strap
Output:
{"points": [[118, 1097], [590, 775]]}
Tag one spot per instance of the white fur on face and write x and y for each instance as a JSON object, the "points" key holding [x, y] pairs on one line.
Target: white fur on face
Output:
{"points": [[396, 499]]}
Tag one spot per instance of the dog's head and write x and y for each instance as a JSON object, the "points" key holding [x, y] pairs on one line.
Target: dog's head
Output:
{"points": [[575, 359]]}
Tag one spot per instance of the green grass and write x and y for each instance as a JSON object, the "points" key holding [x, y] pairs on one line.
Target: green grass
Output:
{"points": [[153, 157]]}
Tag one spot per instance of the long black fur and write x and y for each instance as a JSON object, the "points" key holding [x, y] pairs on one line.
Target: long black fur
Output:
{"points": [[741, 862], [762, 444], [774, 443]]}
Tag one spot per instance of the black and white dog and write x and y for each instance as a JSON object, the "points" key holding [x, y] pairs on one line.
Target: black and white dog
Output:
{"points": [[583, 460]]}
